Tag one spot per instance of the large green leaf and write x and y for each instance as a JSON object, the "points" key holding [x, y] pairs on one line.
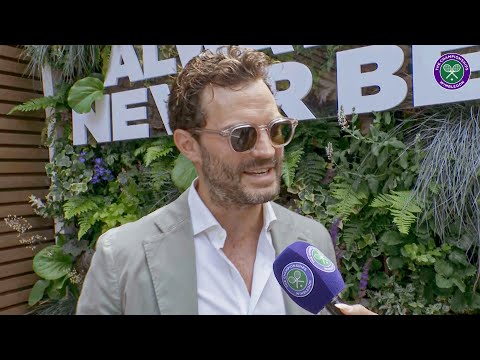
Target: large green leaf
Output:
{"points": [[37, 292], [443, 282], [183, 173], [444, 268], [83, 93], [51, 263]]}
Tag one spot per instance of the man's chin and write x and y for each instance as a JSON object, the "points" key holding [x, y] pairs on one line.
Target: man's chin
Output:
{"points": [[260, 196]]}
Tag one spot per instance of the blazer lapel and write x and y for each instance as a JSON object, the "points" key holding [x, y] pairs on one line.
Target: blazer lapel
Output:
{"points": [[171, 260], [284, 234]]}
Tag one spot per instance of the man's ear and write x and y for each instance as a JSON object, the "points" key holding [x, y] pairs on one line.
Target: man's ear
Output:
{"points": [[187, 145]]}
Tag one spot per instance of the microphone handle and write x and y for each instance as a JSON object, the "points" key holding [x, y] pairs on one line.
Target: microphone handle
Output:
{"points": [[332, 308]]}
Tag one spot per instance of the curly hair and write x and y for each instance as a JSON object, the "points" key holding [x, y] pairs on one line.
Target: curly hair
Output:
{"points": [[230, 68]]}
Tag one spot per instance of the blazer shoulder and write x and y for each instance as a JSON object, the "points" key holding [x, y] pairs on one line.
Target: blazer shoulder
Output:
{"points": [[288, 216]]}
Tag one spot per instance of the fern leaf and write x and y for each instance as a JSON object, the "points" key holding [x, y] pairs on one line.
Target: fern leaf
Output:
{"points": [[404, 200], [106, 54], [85, 221], [311, 170], [154, 152], [77, 206], [380, 201], [290, 164], [403, 220], [36, 104], [402, 207], [350, 201]]}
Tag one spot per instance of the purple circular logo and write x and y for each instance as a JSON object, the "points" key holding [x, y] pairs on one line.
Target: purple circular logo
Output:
{"points": [[319, 260], [297, 279], [451, 71]]}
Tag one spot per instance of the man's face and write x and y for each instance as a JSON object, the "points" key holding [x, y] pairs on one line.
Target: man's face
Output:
{"points": [[233, 178]]}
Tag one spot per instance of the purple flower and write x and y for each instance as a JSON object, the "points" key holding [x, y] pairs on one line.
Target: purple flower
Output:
{"points": [[100, 172], [81, 157], [362, 288]]}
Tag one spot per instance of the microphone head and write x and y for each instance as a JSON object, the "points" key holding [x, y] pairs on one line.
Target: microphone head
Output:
{"points": [[308, 276]]}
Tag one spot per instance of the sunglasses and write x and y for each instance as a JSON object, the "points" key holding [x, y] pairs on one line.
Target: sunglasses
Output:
{"points": [[243, 137]]}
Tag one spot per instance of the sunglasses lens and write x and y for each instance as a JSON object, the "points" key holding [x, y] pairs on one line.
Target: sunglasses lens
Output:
{"points": [[243, 138], [281, 132]]}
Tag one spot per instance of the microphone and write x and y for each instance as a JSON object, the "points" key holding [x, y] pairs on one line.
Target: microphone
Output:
{"points": [[309, 277]]}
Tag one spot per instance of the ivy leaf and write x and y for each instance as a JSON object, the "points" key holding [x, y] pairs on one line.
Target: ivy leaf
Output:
{"points": [[84, 93], [394, 263], [375, 252], [183, 172], [36, 294], [442, 282], [51, 263]]}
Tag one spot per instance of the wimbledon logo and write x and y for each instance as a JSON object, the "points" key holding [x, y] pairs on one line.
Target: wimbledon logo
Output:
{"points": [[319, 260], [451, 71], [297, 279]]}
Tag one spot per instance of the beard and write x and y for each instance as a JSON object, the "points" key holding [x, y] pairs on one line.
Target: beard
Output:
{"points": [[224, 181]]}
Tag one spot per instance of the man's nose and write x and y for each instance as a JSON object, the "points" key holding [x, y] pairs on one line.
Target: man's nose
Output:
{"points": [[263, 147]]}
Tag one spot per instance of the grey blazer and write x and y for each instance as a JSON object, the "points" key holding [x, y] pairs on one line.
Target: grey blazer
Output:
{"points": [[147, 267]]}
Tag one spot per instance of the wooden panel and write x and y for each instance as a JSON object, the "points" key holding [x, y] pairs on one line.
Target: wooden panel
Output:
{"points": [[12, 239], [5, 109], [19, 124], [35, 221], [16, 310], [13, 66], [19, 139], [9, 167], [17, 209], [23, 153], [17, 95], [14, 298], [19, 82], [18, 282], [11, 51], [20, 267], [21, 253], [12, 182], [20, 195]]}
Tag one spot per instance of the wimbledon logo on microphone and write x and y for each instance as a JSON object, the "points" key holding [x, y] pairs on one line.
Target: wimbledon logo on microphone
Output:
{"points": [[319, 260], [297, 279]]}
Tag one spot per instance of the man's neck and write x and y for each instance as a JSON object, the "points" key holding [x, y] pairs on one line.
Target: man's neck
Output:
{"points": [[238, 221]]}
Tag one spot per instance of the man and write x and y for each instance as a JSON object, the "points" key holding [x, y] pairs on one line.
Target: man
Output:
{"points": [[211, 251]]}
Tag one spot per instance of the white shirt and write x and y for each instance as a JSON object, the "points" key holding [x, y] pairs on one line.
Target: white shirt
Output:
{"points": [[220, 287]]}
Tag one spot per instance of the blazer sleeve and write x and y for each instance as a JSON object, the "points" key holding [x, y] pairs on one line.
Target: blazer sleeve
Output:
{"points": [[100, 294]]}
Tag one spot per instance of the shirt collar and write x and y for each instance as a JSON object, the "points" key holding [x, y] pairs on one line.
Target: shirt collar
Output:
{"points": [[203, 219]]}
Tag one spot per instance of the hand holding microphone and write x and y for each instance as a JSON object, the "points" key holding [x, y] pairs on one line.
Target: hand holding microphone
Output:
{"points": [[312, 280]]}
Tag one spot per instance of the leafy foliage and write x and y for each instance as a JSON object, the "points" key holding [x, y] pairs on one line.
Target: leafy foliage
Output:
{"points": [[401, 206]]}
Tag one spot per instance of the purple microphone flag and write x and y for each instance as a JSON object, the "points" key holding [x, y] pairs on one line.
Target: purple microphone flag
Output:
{"points": [[308, 276]]}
